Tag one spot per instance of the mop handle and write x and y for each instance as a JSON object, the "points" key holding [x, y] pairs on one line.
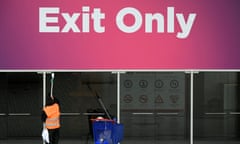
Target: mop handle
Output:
{"points": [[52, 79]]}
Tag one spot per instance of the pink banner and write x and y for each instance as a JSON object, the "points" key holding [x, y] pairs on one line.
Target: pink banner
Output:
{"points": [[136, 34]]}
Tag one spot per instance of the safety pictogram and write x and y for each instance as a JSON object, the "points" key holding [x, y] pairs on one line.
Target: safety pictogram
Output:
{"points": [[143, 83], [128, 83], [143, 99], [174, 84], [174, 98], [127, 98], [159, 99], [159, 84]]}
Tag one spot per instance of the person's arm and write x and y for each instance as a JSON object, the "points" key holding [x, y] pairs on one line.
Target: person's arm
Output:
{"points": [[44, 116], [56, 100]]}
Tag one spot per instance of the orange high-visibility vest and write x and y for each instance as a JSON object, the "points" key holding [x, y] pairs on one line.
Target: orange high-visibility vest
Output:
{"points": [[53, 116]]}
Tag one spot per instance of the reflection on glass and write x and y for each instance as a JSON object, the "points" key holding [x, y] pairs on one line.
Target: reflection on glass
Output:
{"points": [[217, 107]]}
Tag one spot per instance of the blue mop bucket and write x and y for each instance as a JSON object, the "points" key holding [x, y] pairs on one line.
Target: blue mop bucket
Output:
{"points": [[117, 133], [106, 131]]}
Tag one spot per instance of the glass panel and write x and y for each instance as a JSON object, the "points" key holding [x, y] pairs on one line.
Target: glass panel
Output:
{"points": [[24, 104], [216, 107], [155, 107], [78, 95]]}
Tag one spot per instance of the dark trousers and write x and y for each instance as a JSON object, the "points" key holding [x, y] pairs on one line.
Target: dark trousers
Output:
{"points": [[53, 136]]}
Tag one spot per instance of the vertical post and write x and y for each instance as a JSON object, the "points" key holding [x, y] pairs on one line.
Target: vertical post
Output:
{"points": [[191, 108], [44, 89], [44, 94], [118, 97]]}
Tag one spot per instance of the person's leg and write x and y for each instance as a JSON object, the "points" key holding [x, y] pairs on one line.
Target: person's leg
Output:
{"points": [[51, 136], [55, 136]]}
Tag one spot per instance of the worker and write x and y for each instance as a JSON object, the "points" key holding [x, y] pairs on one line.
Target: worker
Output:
{"points": [[51, 118]]}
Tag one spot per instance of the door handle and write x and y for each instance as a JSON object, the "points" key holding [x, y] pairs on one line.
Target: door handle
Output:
{"points": [[2, 114], [93, 114], [19, 114], [235, 113], [70, 114], [218, 113], [142, 113], [167, 114]]}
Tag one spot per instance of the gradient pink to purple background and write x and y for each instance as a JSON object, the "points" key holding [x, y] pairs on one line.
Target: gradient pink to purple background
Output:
{"points": [[213, 43]]}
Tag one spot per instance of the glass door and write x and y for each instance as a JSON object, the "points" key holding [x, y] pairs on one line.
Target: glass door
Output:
{"points": [[24, 104], [155, 107], [217, 107], [20, 104]]}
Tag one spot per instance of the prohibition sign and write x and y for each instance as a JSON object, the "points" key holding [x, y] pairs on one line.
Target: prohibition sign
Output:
{"points": [[159, 84], [143, 83], [127, 98], [174, 83], [143, 99], [128, 83]]}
